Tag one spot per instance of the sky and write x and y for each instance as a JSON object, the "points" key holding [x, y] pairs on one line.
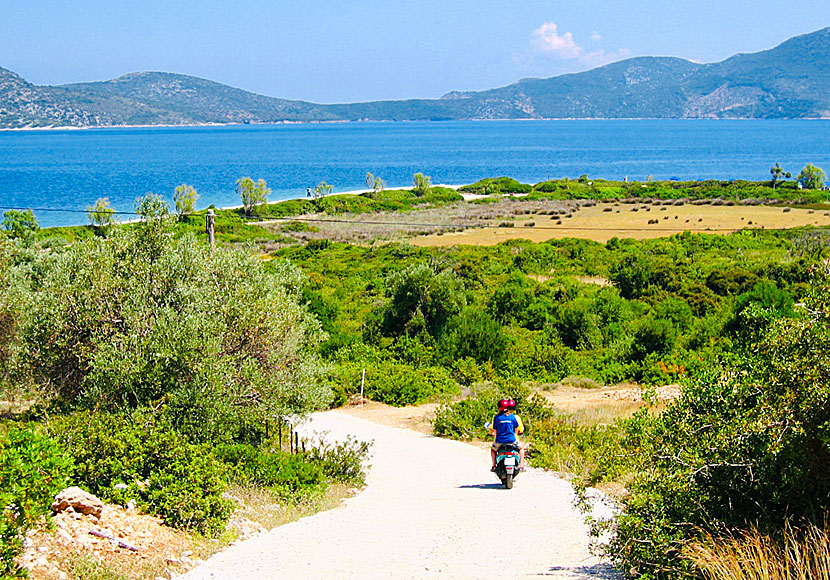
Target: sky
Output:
{"points": [[338, 51]]}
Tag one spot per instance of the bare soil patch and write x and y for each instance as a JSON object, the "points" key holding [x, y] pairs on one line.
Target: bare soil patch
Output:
{"points": [[58, 553]]}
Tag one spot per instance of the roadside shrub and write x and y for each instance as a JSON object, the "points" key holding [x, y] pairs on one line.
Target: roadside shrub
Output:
{"points": [[170, 477], [290, 476], [341, 461], [33, 469], [743, 446]]}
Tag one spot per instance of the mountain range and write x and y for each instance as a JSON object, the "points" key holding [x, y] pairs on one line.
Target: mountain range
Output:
{"points": [[791, 80]]}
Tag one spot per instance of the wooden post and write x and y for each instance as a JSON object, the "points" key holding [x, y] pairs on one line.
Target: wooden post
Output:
{"points": [[210, 222], [296, 442], [279, 432]]}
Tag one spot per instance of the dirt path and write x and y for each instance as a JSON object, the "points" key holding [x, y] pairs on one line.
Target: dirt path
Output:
{"points": [[431, 509]]}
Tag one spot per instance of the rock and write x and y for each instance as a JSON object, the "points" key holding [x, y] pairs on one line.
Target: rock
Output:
{"points": [[121, 486], [79, 501], [130, 505]]}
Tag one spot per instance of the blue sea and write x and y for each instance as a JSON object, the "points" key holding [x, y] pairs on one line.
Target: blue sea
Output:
{"points": [[70, 169]]}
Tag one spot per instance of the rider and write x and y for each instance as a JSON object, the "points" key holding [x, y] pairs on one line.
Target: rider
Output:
{"points": [[505, 426]]}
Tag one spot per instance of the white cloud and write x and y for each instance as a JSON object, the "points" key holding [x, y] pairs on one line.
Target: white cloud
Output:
{"points": [[547, 41], [546, 38]]}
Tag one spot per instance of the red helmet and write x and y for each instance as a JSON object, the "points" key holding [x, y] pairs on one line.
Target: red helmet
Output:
{"points": [[506, 404]]}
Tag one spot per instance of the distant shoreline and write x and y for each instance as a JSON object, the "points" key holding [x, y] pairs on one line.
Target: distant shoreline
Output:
{"points": [[342, 122]]}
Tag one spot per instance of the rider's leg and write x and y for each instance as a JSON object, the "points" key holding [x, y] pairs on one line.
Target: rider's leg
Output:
{"points": [[493, 456]]}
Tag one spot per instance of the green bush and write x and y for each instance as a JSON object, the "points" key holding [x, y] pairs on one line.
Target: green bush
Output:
{"points": [[745, 445], [400, 385], [496, 185], [342, 461], [290, 476], [33, 469], [170, 477], [474, 334]]}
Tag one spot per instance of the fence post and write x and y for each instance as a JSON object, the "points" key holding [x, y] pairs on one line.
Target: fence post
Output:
{"points": [[210, 222]]}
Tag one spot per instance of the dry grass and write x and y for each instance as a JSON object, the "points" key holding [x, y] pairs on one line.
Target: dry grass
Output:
{"points": [[801, 554], [601, 405], [632, 221], [259, 510], [434, 221]]}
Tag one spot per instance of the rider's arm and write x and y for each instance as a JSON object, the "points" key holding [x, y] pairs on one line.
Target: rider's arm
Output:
{"points": [[520, 428]]}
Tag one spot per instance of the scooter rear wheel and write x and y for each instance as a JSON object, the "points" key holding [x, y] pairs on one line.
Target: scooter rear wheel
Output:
{"points": [[508, 481]]}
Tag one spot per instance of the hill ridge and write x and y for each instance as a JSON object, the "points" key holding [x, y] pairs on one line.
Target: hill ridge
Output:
{"points": [[790, 80]]}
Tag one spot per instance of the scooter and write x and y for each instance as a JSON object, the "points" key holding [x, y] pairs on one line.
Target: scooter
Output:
{"points": [[508, 462]]}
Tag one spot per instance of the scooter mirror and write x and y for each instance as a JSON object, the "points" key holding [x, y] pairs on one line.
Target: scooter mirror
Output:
{"points": [[487, 425]]}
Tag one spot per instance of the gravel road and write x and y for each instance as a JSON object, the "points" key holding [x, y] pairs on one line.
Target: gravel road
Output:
{"points": [[431, 509]]}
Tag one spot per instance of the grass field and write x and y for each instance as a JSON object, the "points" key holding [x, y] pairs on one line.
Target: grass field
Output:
{"points": [[604, 221]]}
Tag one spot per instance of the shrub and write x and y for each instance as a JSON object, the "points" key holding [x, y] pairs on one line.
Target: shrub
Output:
{"points": [[341, 461], [140, 316], [474, 334], [33, 468], [290, 476], [400, 385], [745, 445], [495, 186], [170, 477], [653, 335]]}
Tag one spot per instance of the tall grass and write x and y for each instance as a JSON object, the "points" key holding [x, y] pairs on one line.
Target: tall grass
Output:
{"points": [[799, 553]]}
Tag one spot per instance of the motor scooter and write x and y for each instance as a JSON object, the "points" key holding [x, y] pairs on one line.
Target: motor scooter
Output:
{"points": [[508, 462]]}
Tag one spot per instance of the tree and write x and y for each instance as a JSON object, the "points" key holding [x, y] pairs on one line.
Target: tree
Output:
{"points": [[185, 197], [20, 224], [778, 174], [812, 177], [322, 189], [421, 298], [378, 185], [252, 193], [143, 317], [422, 184], [101, 215], [370, 181]]}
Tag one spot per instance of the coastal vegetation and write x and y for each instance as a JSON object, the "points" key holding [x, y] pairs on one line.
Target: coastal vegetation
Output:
{"points": [[146, 367]]}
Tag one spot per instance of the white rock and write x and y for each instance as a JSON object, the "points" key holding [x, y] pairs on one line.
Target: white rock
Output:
{"points": [[79, 500]]}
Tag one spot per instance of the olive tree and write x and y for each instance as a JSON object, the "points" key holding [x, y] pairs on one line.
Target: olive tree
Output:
{"points": [[252, 193], [421, 183], [142, 317], [812, 177], [101, 214], [20, 224], [778, 174], [322, 189], [185, 197]]}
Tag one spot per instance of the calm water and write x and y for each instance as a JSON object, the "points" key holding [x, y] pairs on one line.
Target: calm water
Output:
{"points": [[71, 169]]}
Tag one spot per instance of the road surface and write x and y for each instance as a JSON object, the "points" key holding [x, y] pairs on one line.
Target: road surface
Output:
{"points": [[431, 509]]}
